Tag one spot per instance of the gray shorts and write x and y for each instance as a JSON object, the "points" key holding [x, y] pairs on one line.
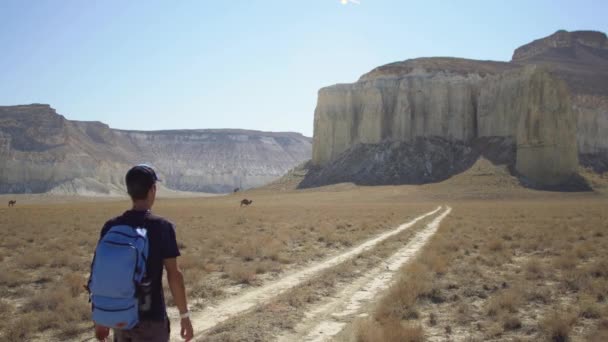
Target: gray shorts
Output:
{"points": [[144, 331]]}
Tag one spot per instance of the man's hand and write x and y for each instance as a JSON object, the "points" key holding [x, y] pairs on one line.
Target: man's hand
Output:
{"points": [[101, 332], [187, 332], [178, 290]]}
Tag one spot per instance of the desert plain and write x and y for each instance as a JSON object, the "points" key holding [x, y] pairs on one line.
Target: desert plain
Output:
{"points": [[475, 258]]}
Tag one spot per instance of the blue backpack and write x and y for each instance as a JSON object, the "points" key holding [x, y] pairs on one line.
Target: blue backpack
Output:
{"points": [[117, 272]]}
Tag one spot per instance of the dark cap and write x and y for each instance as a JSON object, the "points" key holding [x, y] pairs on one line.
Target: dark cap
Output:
{"points": [[140, 179]]}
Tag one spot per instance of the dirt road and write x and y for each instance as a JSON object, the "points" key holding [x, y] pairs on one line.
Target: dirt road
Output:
{"points": [[211, 316], [329, 317]]}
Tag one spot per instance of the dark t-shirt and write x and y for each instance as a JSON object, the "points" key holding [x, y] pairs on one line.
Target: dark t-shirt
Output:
{"points": [[162, 245]]}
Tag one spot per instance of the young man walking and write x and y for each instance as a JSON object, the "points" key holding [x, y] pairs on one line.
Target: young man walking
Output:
{"points": [[153, 324]]}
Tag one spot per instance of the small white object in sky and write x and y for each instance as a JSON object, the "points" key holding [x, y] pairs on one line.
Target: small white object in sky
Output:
{"points": [[346, 2]]}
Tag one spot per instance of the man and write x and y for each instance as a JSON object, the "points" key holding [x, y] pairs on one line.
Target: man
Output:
{"points": [[153, 323]]}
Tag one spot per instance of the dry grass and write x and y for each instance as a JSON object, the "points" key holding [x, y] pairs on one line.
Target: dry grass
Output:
{"points": [[242, 274], [400, 302], [287, 309], [390, 331], [557, 326], [509, 270], [45, 246], [498, 269]]}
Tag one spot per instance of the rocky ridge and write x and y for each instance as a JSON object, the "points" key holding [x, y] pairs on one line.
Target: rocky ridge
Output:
{"points": [[41, 151]]}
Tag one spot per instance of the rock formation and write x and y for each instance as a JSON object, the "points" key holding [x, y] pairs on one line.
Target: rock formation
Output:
{"points": [[41, 151], [549, 97], [581, 59]]}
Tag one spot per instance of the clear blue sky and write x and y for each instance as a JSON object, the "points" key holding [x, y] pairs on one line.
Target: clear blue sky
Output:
{"points": [[253, 64]]}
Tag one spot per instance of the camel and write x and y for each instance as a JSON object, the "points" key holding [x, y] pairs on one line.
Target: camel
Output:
{"points": [[236, 190], [246, 202], [12, 203]]}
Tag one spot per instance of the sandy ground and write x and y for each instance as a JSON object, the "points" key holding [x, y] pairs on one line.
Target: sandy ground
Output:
{"points": [[327, 319], [211, 316]]}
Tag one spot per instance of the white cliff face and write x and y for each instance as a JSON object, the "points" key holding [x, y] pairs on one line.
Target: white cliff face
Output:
{"points": [[592, 118], [550, 101], [220, 160], [398, 108], [546, 133], [40, 151], [526, 105], [581, 59]]}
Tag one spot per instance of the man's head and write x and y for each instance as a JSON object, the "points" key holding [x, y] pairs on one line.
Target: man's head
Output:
{"points": [[141, 183]]}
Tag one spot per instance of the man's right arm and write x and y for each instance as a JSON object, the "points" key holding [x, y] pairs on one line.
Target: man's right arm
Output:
{"points": [[175, 279]]}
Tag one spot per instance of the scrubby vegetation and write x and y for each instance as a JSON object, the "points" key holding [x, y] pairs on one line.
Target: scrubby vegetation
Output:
{"points": [[517, 271], [46, 248]]}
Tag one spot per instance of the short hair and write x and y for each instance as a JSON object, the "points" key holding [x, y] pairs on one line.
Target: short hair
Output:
{"points": [[139, 180]]}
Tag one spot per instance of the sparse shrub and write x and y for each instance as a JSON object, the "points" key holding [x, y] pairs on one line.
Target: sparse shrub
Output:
{"points": [[48, 300], [60, 259], [211, 267], [188, 262], [575, 280], [494, 331], [495, 245], [75, 283], [270, 249], [584, 251], [598, 269], [539, 295], [534, 269], [387, 331], [301, 296], [261, 267], [368, 331], [589, 309], [241, 274], [436, 263], [565, 262], [402, 296], [464, 314], [5, 308], [327, 235], [247, 250], [507, 300], [511, 323], [432, 319], [241, 220], [557, 326], [33, 260], [12, 278], [73, 311], [204, 290], [597, 335], [48, 320], [20, 328], [435, 296]]}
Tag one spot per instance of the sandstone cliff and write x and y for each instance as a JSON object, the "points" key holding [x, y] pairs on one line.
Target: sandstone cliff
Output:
{"points": [[41, 151], [581, 59], [542, 102]]}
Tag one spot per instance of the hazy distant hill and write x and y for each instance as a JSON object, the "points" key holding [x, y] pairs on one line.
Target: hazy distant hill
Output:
{"points": [[42, 151]]}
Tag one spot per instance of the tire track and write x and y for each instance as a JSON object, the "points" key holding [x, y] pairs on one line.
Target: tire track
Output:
{"points": [[212, 316], [329, 318]]}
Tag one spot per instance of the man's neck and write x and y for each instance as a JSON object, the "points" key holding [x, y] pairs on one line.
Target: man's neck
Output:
{"points": [[141, 206]]}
